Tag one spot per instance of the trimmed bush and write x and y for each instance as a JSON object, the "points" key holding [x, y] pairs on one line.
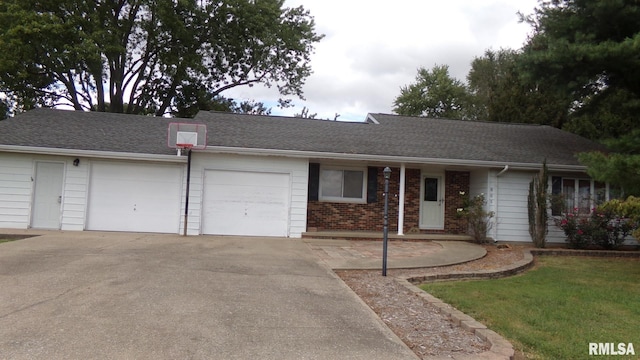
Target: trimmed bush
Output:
{"points": [[604, 227]]}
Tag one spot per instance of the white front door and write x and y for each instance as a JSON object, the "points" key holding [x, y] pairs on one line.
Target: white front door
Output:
{"points": [[431, 202], [47, 195]]}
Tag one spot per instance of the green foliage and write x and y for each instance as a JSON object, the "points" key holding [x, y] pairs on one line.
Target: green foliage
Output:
{"points": [[500, 94], [556, 309], [621, 167], [4, 109], [435, 94], [478, 219], [611, 114], [604, 227], [154, 55], [628, 209], [588, 50], [537, 207]]}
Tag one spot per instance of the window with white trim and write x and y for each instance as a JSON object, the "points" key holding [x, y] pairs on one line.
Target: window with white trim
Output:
{"points": [[581, 195], [343, 184]]}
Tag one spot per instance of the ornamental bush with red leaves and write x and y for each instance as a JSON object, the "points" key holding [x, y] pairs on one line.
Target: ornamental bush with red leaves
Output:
{"points": [[603, 227]]}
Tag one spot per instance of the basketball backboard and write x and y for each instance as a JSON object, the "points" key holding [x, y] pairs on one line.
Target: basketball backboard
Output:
{"points": [[180, 135]]}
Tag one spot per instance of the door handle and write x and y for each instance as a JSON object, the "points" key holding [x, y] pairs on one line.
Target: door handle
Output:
{"points": [[60, 199]]}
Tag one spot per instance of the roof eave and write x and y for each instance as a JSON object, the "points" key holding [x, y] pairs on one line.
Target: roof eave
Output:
{"points": [[92, 153], [389, 158]]}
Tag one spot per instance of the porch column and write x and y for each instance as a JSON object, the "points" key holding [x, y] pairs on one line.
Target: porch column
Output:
{"points": [[401, 201]]}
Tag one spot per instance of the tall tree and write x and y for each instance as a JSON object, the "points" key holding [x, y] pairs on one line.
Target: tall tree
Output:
{"points": [[434, 94], [620, 167], [5, 108], [500, 94], [140, 56], [590, 51]]}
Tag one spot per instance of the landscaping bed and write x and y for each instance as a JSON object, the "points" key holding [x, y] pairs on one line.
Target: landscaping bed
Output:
{"points": [[423, 327]]}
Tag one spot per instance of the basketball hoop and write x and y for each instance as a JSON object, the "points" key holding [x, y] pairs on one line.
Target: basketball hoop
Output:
{"points": [[185, 136], [182, 147]]}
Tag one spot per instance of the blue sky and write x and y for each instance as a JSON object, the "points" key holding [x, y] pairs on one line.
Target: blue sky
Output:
{"points": [[372, 48]]}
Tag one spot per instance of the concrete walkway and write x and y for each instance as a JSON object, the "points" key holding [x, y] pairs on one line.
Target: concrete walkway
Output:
{"points": [[91, 295], [361, 254]]}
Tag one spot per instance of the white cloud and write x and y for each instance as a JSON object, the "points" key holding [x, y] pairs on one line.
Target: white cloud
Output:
{"points": [[372, 48]]}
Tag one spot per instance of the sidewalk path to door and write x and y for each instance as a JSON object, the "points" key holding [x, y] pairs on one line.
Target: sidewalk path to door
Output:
{"points": [[367, 255]]}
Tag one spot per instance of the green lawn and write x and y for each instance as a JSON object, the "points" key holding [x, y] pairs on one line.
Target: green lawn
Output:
{"points": [[555, 310], [7, 238]]}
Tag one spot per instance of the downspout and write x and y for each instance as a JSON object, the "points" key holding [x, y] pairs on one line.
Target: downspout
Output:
{"points": [[497, 194], [506, 168]]}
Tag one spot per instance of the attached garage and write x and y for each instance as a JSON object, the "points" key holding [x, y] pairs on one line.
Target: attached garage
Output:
{"points": [[134, 197], [246, 203]]}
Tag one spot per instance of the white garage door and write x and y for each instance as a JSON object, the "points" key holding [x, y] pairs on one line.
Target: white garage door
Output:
{"points": [[134, 197], [246, 203]]}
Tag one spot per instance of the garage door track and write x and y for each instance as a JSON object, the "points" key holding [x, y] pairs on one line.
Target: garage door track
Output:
{"points": [[139, 296]]}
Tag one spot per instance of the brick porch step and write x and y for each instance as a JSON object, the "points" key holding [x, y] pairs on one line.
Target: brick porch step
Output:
{"points": [[366, 235]]}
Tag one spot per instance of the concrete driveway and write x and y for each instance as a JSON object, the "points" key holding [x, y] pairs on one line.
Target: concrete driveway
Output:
{"points": [[90, 295]]}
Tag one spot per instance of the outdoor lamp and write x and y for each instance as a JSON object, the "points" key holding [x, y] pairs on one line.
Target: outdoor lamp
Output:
{"points": [[387, 173]]}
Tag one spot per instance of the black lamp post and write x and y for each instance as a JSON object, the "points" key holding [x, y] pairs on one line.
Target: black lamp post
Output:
{"points": [[385, 228]]}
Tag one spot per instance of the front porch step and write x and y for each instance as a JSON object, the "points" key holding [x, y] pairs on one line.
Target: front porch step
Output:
{"points": [[374, 235]]}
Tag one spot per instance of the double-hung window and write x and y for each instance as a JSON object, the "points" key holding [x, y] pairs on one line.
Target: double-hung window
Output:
{"points": [[343, 184]]}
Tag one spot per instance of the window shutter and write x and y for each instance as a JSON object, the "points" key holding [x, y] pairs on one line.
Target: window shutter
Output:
{"points": [[372, 185], [314, 182], [556, 185], [556, 191]]}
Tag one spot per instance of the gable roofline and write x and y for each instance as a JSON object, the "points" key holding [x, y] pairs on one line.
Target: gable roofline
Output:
{"points": [[388, 158], [371, 119], [33, 150]]}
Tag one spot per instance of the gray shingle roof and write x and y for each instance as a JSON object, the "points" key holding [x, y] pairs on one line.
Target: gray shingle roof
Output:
{"points": [[81, 130], [399, 136]]}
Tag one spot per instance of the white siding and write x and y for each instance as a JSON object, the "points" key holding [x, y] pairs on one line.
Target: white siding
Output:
{"points": [[75, 195], [297, 168], [16, 173], [512, 220], [195, 196]]}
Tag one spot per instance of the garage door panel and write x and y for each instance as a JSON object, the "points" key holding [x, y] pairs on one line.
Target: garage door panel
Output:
{"points": [[132, 197], [246, 203]]}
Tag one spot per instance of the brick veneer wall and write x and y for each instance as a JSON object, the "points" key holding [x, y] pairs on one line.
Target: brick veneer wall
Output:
{"points": [[357, 217], [455, 182], [369, 217]]}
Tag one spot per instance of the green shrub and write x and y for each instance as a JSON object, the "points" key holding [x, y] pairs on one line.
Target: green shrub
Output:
{"points": [[478, 219], [627, 209], [606, 227]]}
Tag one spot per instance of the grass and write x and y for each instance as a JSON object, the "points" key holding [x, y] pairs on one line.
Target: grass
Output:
{"points": [[555, 310], [7, 238]]}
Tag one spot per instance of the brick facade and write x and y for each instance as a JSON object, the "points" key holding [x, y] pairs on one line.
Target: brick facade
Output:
{"points": [[455, 182], [325, 216]]}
